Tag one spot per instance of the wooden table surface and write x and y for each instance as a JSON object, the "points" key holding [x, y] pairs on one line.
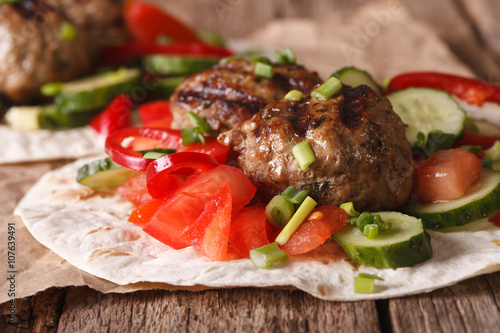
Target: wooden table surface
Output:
{"points": [[471, 29]]}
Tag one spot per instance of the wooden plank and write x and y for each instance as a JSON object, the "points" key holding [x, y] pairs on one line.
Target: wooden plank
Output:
{"points": [[228, 310], [470, 306], [38, 313]]}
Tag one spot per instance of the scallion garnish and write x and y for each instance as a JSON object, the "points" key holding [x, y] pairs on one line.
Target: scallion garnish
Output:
{"points": [[364, 283], [157, 150], [51, 89], [290, 56], [371, 225], [371, 231], [263, 70], [279, 211], [261, 59], [294, 196], [267, 255], [300, 215], [153, 155], [67, 31], [192, 135], [294, 95], [349, 208], [304, 155], [199, 122], [227, 60], [327, 89], [285, 58]]}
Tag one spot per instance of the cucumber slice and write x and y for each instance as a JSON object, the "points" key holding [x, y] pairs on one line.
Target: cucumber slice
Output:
{"points": [[24, 118], [102, 174], [95, 92], [478, 204], [177, 65], [55, 117], [166, 87], [355, 77], [406, 244], [428, 111]]}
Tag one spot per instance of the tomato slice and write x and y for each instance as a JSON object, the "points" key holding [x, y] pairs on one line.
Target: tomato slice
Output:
{"points": [[447, 174], [185, 205], [316, 229], [209, 235], [147, 22], [161, 182], [142, 214], [134, 190], [471, 90], [131, 159], [472, 139], [116, 116], [156, 114], [248, 230], [211, 147]]}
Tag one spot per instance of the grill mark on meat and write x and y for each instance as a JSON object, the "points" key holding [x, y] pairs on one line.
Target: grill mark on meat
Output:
{"points": [[353, 105]]}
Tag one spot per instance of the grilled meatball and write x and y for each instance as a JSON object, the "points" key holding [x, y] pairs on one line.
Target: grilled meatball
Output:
{"points": [[101, 19], [32, 51], [229, 94], [362, 152]]}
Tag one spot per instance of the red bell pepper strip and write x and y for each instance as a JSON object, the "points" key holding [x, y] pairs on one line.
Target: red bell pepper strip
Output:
{"points": [[131, 159], [471, 90], [116, 116], [125, 52], [147, 22], [156, 114], [159, 179], [211, 147]]}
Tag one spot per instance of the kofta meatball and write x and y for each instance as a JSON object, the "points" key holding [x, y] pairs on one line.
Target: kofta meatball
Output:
{"points": [[362, 154], [33, 52], [231, 93]]}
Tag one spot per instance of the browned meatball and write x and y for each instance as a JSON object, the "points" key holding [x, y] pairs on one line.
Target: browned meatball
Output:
{"points": [[360, 144], [229, 94], [32, 51]]}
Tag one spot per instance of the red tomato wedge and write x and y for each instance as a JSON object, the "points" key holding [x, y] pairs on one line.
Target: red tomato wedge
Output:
{"points": [[127, 157], [248, 230], [209, 235], [471, 90], [116, 116], [316, 229], [147, 22], [159, 176], [185, 206], [211, 147], [134, 190], [142, 214], [447, 174], [156, 114]]}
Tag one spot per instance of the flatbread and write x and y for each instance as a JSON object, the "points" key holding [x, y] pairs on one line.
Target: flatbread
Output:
{"points": [[90, 230]]}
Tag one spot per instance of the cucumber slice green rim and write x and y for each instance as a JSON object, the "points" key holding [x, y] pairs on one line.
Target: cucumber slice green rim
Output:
{"points": [[102, 174], [483, 201], [406, 244], [354, 77], [428, 110], [95, 92], [177, 65]]}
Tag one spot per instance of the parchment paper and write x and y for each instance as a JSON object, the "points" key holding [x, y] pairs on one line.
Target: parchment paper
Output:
{"points": [[382, 39]]}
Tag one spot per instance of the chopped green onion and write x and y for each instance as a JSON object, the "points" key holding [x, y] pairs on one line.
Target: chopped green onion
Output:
{"points": [[349, 208], [327, 89], [294, 95], [294, 196], [157, 150], [263, 60], [470, 126], [472, 149], [304, 155], [227, 60], [364, 219], [267, 255], [199, 122], [192, 135], [279, 211], [263, 70], [51, 89], [67, 31], [280, 58], [370, 276], [290, 56], [385, 83], [371, 231], [152, 155], [300, 215], [363, 285]]}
